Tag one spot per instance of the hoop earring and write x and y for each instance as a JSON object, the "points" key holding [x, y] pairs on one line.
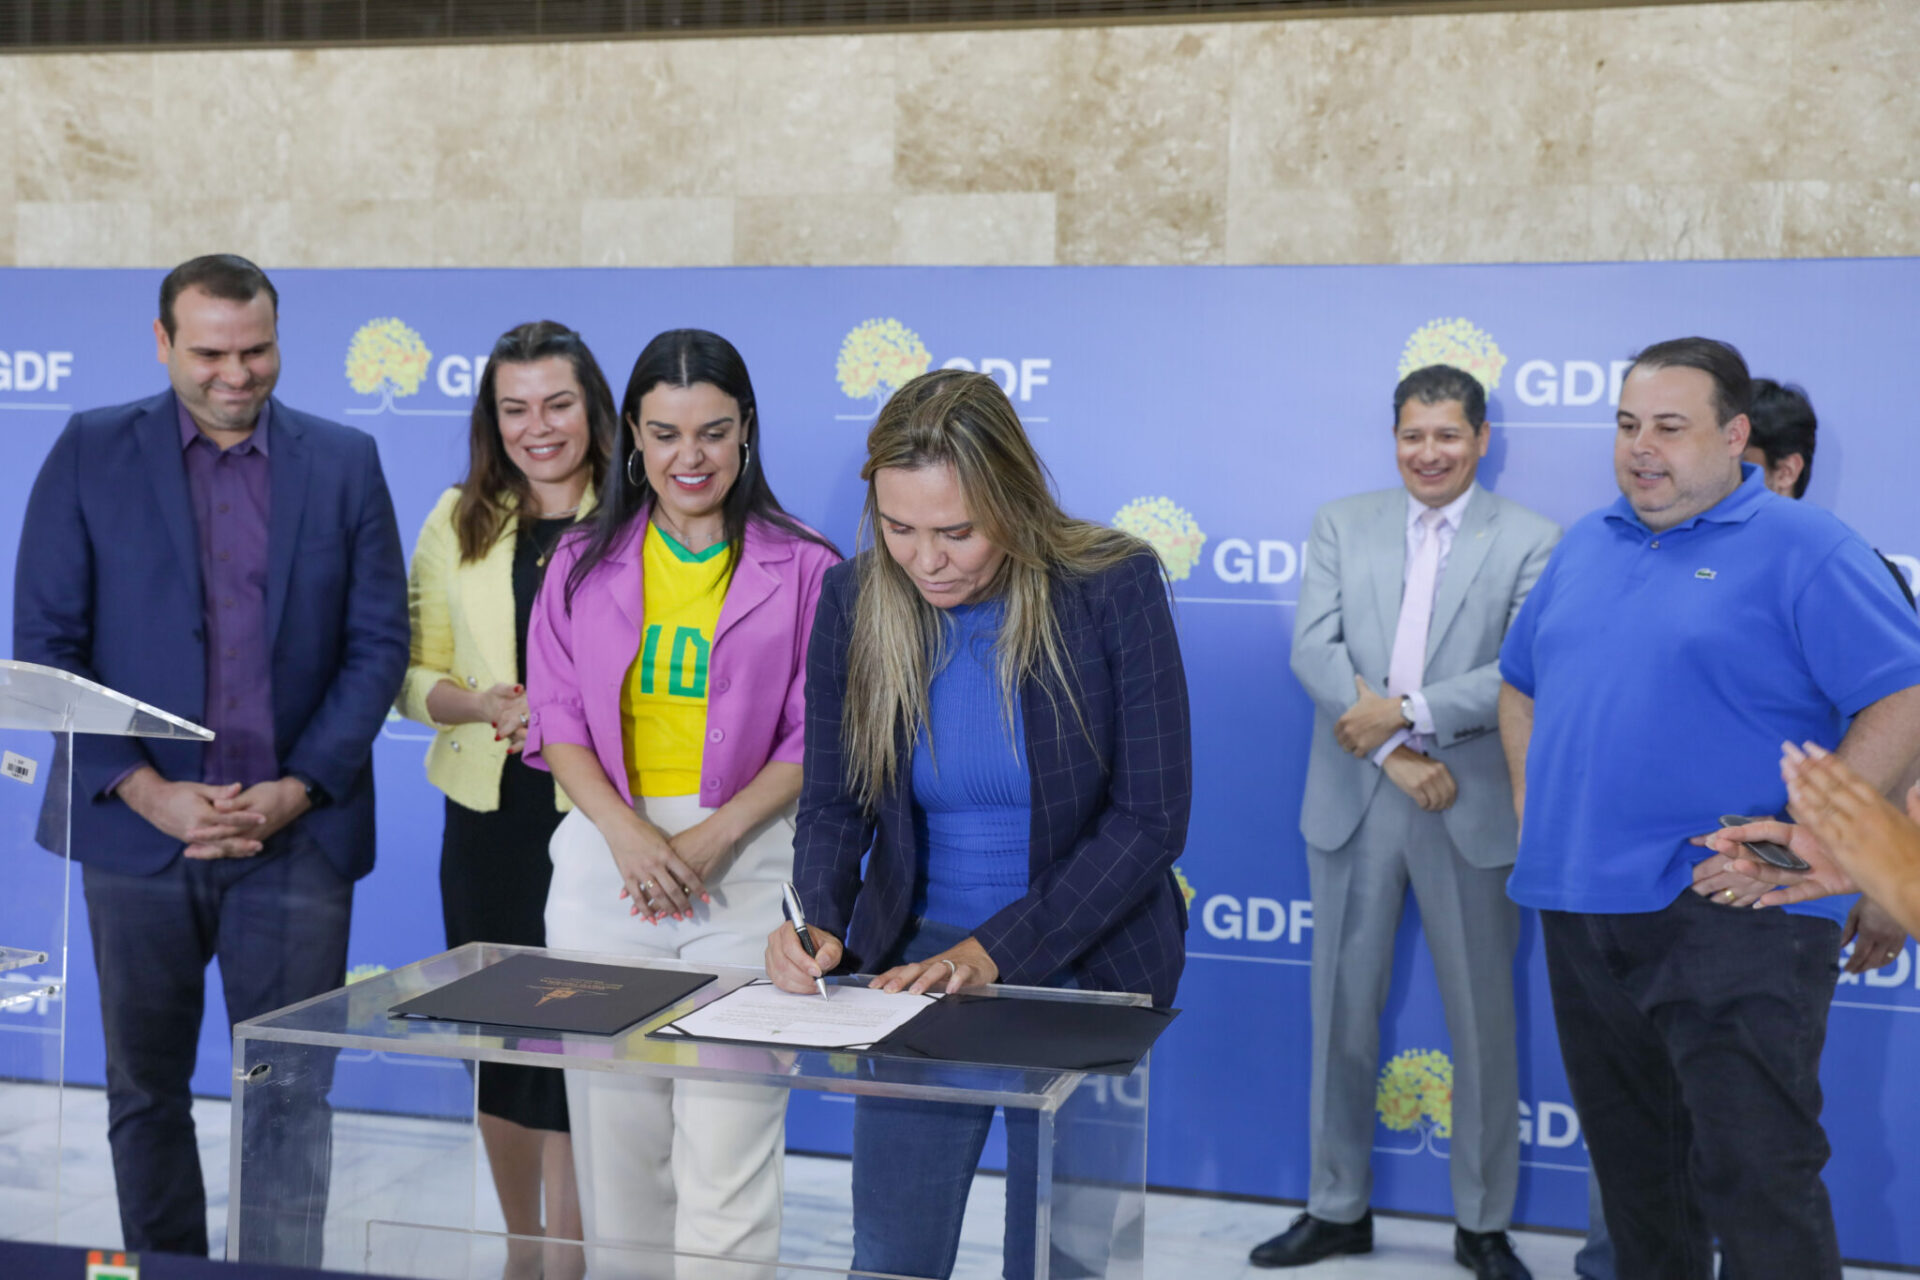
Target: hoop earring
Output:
{"points": [[637, 481]]}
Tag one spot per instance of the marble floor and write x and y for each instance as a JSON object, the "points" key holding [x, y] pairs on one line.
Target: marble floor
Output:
{"points": [[402, 1185]]}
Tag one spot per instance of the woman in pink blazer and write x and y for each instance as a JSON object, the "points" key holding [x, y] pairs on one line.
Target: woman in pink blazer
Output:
{"points": [[666, 669]]}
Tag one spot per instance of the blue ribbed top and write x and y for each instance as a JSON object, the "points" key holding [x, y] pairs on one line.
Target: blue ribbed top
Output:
{"points": [[972, 806]]}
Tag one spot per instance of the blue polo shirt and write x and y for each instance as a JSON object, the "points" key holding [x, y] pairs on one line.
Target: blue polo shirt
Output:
{"points": [[1666, 668]]}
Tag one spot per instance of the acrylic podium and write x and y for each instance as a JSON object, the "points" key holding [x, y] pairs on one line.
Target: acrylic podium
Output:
{"points": [[41, 709], [410, 1196]]}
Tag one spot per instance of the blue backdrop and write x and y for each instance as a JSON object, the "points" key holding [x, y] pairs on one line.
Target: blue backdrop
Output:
{"points": [[1210, 408]]}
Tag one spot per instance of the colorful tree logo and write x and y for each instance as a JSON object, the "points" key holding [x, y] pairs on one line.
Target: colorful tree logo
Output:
{"points": [[1416, 1092], [1168, 529], [1187, 890], [878, 358], [1459, 343], [388, 357]]}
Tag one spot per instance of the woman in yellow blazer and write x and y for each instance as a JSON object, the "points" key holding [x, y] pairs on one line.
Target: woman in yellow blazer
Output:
{"points": [[543, 424]]}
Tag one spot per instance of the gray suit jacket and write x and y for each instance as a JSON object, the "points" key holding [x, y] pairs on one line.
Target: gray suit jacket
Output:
{"points": [[1349, 608]]}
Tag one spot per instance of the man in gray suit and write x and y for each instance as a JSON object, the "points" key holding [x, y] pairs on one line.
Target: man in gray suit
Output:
{"points": [[1407, 596]]}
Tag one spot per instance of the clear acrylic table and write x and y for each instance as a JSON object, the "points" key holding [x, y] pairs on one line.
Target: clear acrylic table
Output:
{"points": [[409, 1192]]}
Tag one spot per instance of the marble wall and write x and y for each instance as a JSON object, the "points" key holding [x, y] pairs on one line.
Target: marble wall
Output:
{"points": [[1758, 129]]}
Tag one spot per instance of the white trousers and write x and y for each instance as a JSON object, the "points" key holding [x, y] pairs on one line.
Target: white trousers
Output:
{"points": [[662, 1163]]}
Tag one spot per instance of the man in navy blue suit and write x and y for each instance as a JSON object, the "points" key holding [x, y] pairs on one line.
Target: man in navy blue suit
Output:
{"points": [[233, 561]]}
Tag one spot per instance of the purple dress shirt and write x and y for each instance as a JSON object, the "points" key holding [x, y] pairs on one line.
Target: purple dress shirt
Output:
{"points": [[231, 494]]}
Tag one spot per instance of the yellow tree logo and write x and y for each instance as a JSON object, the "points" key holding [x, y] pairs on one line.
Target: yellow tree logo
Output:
{"points": [[1459, 343], [1187, 890], [1168, 529], [1416, 1092], [388, 357], [878, 358]]}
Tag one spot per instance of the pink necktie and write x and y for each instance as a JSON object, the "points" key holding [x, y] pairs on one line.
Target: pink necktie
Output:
{"points": [[1409, 661]]}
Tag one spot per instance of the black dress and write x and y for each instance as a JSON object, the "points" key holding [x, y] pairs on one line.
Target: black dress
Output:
{"points": [[494, 868]]}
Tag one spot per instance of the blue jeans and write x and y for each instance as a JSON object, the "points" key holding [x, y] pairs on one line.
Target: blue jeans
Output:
{"points": [[1692, 1038], [278, 923], [1595, 1259], [913, 1165]]}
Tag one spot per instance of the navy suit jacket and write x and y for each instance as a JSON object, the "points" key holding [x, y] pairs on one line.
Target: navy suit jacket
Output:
{"points": [[108, 587], [1110, 803]]}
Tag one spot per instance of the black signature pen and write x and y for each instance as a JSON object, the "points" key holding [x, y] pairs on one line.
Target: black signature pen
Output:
{"points": [[798, 919]]}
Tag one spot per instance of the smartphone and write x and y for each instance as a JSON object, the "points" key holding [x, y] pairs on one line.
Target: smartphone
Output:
{"points": [[1774, 855]]}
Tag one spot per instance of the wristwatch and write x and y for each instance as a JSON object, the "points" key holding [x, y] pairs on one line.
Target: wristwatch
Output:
{"points": [[317, 797], [1406, 711]]}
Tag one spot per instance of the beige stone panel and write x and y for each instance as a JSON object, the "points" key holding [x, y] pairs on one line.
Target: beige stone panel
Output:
{"points": [[222, 125], [1315, 103], [1142, 227], [505, 233], [998, 230], [364, 125], [980, 111], [85, 127], [657, 231], [814, 231], [363, 233], [83, 233], [1664, 223], [1692, 93], [7, 216], [1852, 219], [1145, 110], [258, 229], [505, 119], [1310, 226], [1488, 223], [657, 116], [815, 115], [1855, 112], [9, 137], [1500, 99]]}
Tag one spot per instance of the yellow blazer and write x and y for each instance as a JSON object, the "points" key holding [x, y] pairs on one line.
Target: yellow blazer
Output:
{"points": [[462, 615]]}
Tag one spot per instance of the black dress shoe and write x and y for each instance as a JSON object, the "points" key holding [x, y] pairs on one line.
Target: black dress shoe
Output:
{"points": [[1488, 1254], [1310, 1239]]}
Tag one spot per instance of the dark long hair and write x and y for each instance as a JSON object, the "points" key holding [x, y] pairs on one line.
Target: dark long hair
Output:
{"points": [[685, 358], [494, 490]]}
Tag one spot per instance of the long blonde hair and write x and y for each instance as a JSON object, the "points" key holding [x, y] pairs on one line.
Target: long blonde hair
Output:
{"points": [[898, 643]]}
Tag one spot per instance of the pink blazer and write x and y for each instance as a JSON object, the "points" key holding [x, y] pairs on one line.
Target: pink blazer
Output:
{"points": [[756, 686]]}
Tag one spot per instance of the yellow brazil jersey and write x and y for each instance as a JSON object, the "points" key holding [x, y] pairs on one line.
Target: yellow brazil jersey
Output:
{"points": [[663, 705]]}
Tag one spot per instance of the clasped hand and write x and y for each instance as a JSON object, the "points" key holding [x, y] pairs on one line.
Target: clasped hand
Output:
{"points": [[965, 964], [1369, 722], [1429, 782], [215, 822], [661, 875], [504, 706]]}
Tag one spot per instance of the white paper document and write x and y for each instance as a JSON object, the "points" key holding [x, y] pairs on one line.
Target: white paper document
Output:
{"points": [[761, 1013]]}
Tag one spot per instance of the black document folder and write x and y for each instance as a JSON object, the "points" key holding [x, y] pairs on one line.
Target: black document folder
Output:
{"points": [[1048, 1035], [540, 993]]}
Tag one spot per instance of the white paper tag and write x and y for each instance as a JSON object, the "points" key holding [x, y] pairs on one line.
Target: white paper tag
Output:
{"points": [[18, 767]]}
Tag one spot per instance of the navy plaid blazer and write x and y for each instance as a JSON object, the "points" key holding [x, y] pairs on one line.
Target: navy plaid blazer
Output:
{"points": [[1110, 803]]}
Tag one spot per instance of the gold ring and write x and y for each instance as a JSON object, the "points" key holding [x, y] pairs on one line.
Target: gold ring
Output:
{"points": [[646, 887], [1892, 954], [1729, 895]]}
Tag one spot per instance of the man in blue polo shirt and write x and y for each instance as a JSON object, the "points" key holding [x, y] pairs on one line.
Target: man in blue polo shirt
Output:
{"points": [[1675, 639]]}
